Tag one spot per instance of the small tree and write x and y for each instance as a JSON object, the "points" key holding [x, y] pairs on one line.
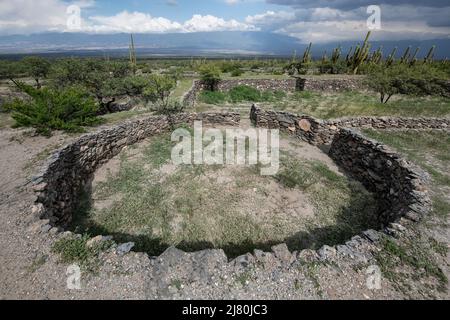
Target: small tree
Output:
{"points": [[405, 79], [159, 89], [38, 68], [382, 81], [48, 109], [210, 76]]}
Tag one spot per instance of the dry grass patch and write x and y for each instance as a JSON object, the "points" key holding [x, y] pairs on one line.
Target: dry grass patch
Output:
{"points": [[146, 199]]}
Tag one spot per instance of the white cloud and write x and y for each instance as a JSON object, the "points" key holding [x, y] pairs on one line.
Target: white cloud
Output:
{"points": [[346, 30], [200, 23], [30, 16], [317, 24], [131, 22], [270, 18], [144, 23]]}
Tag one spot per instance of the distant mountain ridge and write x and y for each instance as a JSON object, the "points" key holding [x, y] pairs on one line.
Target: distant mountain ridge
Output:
{"points": [[185, 44]]}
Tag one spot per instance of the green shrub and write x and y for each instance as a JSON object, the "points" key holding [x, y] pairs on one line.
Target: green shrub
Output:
{"points": [[212, 97], [244, 93], [237, 73], [158, 89], [48, 109], [37, 67], [210, 76], [172, 107]]}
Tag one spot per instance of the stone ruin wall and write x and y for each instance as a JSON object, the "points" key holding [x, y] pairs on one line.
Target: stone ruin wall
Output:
{"points": [[286, 85], [400, 186]]}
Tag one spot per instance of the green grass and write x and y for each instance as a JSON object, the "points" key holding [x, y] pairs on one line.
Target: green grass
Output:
{"points": [[413, 254], [75, 250], [241, 94], [212, 97], [183, 86], [112, 118], [351, 103]]}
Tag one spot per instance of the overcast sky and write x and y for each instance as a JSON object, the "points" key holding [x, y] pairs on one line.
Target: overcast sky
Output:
{"points": [[307, 20]]}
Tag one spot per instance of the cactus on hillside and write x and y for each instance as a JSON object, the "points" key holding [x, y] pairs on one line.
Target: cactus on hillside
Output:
{"points": [[336, 55], [391, 58], [414, 57], [377, 55], [307, 55], [325, 57], [406, 55], [360, 55], [133, 60], [349, 54], [430, 55]]}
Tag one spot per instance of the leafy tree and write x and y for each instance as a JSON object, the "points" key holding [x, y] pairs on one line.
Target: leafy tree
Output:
{"points": [[402, 78], [210, 76], [38, 68], [382, 81], [49, 109], [159, 89], [10, 69]]}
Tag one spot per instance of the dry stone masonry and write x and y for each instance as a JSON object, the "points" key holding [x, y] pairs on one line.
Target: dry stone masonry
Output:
{"points": [[399, 185], [319, 132], [286, 85]]}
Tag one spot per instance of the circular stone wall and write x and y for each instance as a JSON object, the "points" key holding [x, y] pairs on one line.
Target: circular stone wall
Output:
{"points": [[399, 186]]}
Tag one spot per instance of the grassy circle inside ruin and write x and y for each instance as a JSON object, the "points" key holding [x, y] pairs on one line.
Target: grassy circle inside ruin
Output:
{"points": [[140, 196]]}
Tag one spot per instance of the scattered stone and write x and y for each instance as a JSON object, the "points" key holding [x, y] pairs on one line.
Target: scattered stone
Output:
{"points": [[372, 235], [243, 261], [98, 239], [124, 248], [282, 252], [326, 253]]}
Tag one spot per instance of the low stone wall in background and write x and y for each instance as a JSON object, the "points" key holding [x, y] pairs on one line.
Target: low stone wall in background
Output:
{"points": [[286, 85], [319, 132]]}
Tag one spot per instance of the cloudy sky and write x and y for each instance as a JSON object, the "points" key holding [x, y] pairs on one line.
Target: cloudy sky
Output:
{"points": [[319, 21]]}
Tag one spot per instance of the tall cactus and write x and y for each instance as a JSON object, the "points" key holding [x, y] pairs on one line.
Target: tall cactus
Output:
{"points": [[325, 57], [414, 57], [430, 55], [307, 55], [360, 55], [133, 60], [294, 56], [406, 55], [349, 55], [336, 55], [391, 58], [377, 55]]}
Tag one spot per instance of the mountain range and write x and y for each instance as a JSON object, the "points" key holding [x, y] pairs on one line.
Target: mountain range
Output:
{"points": [[190, 44]]}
